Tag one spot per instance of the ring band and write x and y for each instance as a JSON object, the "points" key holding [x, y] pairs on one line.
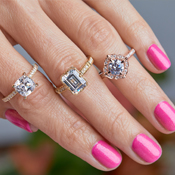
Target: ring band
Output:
{"points": [[73, 79], [24, 85], [116, 66]]}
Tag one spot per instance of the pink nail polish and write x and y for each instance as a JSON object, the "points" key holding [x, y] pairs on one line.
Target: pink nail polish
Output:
{"points": [[165, 114], [13, 116], [158, 58], [146, 148], [106, 154]]}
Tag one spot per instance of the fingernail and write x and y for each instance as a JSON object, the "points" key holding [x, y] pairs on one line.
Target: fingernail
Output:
{"points": [[158, 58], [106, 154], [146, 148], [13, 116], [165, 114]]}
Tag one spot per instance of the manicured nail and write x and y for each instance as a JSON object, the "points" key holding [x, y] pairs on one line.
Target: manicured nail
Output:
{"points": [[146, 148], [158, 58], [13, 116], [106, 154], [165, 114]]}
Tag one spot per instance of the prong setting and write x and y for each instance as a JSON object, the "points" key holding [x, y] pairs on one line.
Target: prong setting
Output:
{"points": [[115, 67], [24, 74], [74, 81], [24, 85]]}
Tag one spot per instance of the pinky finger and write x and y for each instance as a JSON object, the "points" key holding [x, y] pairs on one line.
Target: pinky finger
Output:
{"points": [[7, 112]]}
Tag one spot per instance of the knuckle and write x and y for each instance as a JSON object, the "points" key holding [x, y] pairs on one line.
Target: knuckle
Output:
{"points": [[119, 123], [98, 32], [34, 102], [65, 61], [76, 133], [139, 29], [145, 86], [141, 84], [117, 120]]}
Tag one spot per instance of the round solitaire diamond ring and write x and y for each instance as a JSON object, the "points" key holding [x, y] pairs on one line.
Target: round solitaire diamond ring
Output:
{"points": [[116, 66], [73, 79], [24, 85]]}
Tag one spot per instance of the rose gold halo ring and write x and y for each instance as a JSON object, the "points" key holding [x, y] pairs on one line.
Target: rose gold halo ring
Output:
{"points": [[24, 85], [116, 66]]}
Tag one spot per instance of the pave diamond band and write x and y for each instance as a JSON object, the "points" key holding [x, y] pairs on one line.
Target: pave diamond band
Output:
{"points": [[73, 79], [24, 85], [116, 66], [86, 66]]}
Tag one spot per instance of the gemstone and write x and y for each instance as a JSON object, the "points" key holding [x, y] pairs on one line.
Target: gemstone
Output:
{"points": [[117, 77], [24, 86], [119, 56], [116, 67], [126, 65], [73, 80]]}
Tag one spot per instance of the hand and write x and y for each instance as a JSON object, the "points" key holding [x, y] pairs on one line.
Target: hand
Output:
{"points": [[58, 35]]}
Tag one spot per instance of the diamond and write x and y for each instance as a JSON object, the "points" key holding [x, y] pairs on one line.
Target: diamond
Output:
{"points": [[111, 76], [73, 80], [126, 64], [116, 66], [119, 56], [24, 86], [106, 62], [117, 77]]}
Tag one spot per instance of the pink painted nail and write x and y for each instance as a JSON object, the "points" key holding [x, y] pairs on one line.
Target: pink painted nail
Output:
{"points": [[158, 58], [106, 154], [13, 116], [165, 114], [146, 148]]}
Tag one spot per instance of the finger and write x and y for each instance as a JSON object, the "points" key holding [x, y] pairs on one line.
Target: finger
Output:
{"points": [[3, 107], [8, 112], [96, 37], [9, 38], [53, 58], [45, 110], [134, 31]]}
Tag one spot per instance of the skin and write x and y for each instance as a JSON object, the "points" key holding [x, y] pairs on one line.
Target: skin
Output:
{"points": [[59, 39]]}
